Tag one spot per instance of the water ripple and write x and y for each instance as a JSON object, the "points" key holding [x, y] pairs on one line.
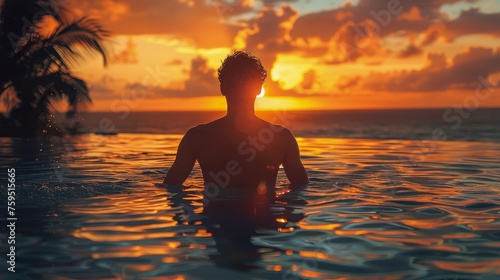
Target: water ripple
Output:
{"points": [[89, 209]]}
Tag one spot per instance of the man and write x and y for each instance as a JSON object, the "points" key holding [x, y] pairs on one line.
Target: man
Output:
{"points": [[239, 154]]}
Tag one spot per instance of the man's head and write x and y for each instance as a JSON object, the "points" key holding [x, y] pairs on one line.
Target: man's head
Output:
{"points": [[241, 76]]}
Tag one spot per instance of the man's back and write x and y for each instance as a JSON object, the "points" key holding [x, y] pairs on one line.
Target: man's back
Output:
{"points": [[241, 155]]}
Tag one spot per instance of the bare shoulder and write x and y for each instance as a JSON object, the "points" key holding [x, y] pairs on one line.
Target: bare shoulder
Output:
{"points": [[284, 135], [195, 133], [202, 130], [287, 136], [276, 127], [208, 126]]}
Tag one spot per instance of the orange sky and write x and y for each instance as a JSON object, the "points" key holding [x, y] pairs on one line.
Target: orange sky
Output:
{"points": [[320, 54]]}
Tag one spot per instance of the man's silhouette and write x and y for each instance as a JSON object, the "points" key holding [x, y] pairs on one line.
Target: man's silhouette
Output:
{"points": [[239, 154]]}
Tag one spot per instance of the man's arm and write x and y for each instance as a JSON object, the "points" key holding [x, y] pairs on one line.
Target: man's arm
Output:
{"points": [[294, 169], [184, 161]]}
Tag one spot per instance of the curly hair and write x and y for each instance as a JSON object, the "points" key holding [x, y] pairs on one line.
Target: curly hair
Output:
{"points": [[241, 69]]}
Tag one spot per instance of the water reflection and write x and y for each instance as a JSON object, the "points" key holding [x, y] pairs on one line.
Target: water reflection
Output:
{"points": [[233, 223], [367, 213]]}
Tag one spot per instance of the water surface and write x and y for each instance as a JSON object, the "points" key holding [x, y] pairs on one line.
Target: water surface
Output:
{"points": [[89, 207]]}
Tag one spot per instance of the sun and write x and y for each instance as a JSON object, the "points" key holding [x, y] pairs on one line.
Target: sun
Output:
{"points": [[262, 93]]}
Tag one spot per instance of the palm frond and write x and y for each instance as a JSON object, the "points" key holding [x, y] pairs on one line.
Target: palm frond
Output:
{"points": [[85, 33], [45, 104], [36, 68], [57, 9], [46, 56], [9, 98], [16, 14]]}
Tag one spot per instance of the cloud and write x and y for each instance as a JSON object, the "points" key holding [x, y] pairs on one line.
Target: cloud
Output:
{"points": [[202, 78], [353, 30], [433, 33], [461, 74], [209, 24], [412, 15], [472, 21], [410, 50], [308, 79], [268, 35], [174, 62], [104, 88], [196, 21], [202, 81], [357, 32], [228, 8], [215, 23], [128, 55], [353, 41], [109, 10], [273, 2]]}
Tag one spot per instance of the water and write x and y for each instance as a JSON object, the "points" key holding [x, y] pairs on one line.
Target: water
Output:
{"points": [[89, 207], [479, 125]]}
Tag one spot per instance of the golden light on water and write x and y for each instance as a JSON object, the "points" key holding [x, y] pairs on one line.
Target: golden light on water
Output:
{"points": [[262, 93], [153, 224]]}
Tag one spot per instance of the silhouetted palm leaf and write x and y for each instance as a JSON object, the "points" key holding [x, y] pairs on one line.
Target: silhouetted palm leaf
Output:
{"points": [[85, 33], [37, 69]]}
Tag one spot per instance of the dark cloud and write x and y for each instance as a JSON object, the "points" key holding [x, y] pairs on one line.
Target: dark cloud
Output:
{"points": [[392, 18], [272, 31], [229, 8], [349, 28], [202, 81], [433, 33], [438, 75], [174, 62], [410, 50], [274, 2], [353, 41], [350, 33], [268, 35], [308, 79], [105, 87], [472, 21], [196, 21]]}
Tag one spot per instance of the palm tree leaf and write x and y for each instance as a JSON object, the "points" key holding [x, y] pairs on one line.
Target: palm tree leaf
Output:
{"points": [[36, 70], [15, 14], [85, 33]]}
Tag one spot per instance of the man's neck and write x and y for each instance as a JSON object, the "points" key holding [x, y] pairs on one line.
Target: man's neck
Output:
{"points": [[240, 110], [242, 116]]}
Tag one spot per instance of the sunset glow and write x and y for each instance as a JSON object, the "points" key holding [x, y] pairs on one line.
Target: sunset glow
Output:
{"points": [[136, 143], [262, 93], [319, 55]]}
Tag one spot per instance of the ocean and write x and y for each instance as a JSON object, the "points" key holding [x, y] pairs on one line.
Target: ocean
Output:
{"points": [[419, 124], [394, 194]]}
